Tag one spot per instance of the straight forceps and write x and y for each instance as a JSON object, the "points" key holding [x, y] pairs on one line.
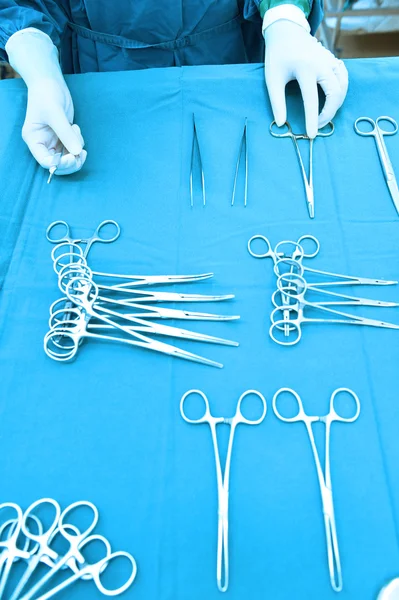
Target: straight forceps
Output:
{"points": [[222, 564], [334, 563], [308, 183], [378, 134], [98, 235], [196, 144], [297, 306], [243, 144]]}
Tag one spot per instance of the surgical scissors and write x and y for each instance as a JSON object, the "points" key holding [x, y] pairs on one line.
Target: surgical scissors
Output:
{"points": [[308, 183], [297, 304], [378, 133], [97, 236], [324, 477], [222, 564]]}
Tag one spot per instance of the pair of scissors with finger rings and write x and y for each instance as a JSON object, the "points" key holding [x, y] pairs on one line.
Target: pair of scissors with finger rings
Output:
{"points": [[378, 133]]}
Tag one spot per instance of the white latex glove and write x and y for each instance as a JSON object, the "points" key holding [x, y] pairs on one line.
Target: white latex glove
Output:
{"points": [[293, 53], [48, 128], [390, 591]]}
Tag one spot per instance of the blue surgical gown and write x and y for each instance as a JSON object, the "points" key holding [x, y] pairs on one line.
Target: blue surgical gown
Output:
{"points": [[106, 35]]}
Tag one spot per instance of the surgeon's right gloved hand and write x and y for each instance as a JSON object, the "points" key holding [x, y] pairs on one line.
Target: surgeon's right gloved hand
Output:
{"points": [[48, 128], [293, 53]]}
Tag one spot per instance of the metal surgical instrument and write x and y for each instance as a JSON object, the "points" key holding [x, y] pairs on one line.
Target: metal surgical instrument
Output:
{"points": [[243, 144], [339, 279], [297, 305], [222, 564], [74, 330], [75, 557], [378, 133], [97, 236], [324, 476], [308, 183], [194, 145], [296, 253], [54, 165]]}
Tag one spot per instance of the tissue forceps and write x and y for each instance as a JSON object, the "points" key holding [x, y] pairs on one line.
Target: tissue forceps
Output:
{"points": [[96, 237], [324, 477], [222, 565], [378, 134], [298, 304], [243, 144], [308, 183], [196, 143]]}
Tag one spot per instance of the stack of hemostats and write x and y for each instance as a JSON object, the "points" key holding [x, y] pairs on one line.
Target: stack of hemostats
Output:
{"points": [[55, 551], [113, 307], [296, 288]]}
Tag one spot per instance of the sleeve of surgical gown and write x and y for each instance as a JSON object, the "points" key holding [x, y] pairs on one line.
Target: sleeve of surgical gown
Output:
{"points": [[45, 15], [313, 9]]}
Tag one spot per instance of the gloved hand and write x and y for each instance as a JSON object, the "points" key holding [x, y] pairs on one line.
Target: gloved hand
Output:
{"points": [[48, 128], [293, 53], [390, 591]]}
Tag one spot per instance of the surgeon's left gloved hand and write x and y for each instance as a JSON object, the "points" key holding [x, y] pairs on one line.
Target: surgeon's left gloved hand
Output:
{"points": [[293, 53], [48, 128]]}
